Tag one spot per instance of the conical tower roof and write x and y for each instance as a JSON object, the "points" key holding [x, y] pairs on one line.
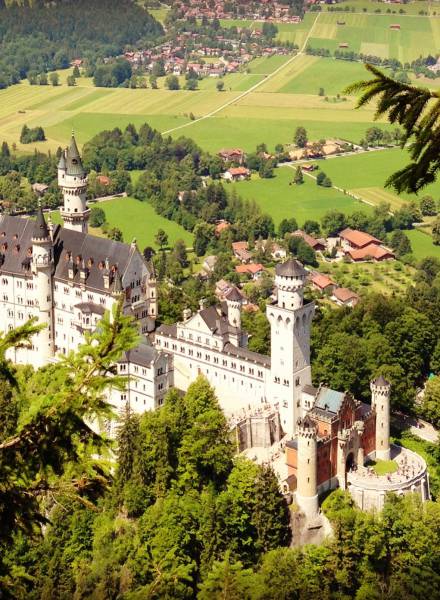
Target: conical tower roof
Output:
{"points": [[233, 295], [41, 230], [380, 381], [62, 162], [291, 268], [73, 159]]}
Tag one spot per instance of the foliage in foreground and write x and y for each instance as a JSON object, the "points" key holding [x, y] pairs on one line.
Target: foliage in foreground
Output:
{"points": [[417, 110]]}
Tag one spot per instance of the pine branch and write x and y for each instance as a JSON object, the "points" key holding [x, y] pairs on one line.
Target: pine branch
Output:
{"points": [[417, 110]]}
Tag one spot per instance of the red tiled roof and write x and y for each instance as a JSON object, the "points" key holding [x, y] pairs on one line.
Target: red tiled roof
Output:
{"points": [[309, 239], [322, 281], [251, 268], [358, 238], [344, 294], [240, 246], [373, 251], [238, 171]]}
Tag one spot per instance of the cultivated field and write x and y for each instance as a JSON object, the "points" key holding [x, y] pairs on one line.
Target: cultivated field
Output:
{"points": [[264, 103]]}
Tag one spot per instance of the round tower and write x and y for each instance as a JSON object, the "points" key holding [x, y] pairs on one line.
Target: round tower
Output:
{"points": [[290, 278], [307, 467], [42, 267], [72, 181], [380, 401], [233, 300]]}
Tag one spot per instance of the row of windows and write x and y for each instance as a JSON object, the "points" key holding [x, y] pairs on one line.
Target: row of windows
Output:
{"points": [[198, 339], [19, 283], [217, 374], [216, 360], [20, 300]]}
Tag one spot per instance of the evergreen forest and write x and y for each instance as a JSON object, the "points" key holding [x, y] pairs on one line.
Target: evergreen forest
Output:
{"points": [[38, 37]]}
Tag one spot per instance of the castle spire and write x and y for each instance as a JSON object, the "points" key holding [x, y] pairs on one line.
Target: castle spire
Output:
{"points": [[72, 181]]}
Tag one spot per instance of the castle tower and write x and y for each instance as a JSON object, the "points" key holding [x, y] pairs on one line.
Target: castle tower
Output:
{"points": [[233, 300], [42, 268], [290, 322], [307, 472], [380, 401], [72, 181]]}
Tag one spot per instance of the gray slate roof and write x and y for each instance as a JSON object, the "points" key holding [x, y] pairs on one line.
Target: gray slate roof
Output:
{"points": [[291, 268], [127, 260], [144, 354], [40, 231], [381, 381]]}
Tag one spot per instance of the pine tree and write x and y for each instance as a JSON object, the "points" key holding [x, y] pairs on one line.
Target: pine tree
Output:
{"points": [[270, 514], [55, 436]]}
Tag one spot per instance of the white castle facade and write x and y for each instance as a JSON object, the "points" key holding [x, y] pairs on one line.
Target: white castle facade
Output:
{"points": [[67, 278]]}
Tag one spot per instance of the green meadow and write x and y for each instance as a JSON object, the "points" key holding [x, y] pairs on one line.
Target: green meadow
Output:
{"points": [[366, 174], [307, 201], [263, 103], [137, 220], [422, 245]]}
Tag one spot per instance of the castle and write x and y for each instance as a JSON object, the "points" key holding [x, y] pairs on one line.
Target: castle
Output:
{"points": [[68, 278]]}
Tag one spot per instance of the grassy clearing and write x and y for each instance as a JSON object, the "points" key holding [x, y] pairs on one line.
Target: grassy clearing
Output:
{"points": [[307, 201], [422, 244], [159, 13], [267, 64], [137, 220], [371, 170]]}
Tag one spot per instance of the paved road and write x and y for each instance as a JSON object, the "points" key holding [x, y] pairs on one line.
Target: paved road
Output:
{"points": [[418, 427]]}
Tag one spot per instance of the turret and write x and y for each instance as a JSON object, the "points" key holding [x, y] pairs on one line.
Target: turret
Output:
{"points": [[42, 267], [380, 402], [233, 300], [72, 180], [290, 278], [307, 472]]}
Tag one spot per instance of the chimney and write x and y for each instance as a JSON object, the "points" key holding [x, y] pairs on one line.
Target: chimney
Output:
{"points": [[202, 303]]}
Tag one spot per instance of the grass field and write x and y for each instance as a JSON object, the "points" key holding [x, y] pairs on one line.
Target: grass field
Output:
{"points": [[371, 34], [367, 173], [307, 201], [137, 220], [422, 244]]}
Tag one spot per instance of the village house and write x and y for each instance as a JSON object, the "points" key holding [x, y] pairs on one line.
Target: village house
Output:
{"points": [[40, 188], [221, 226], [322, 283], [370, 252], [241, 251], [208, 264], [345, 297], [237, 174], [318, 245], [234, 155], [252, 269], [360, 246], [353, 238]]}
